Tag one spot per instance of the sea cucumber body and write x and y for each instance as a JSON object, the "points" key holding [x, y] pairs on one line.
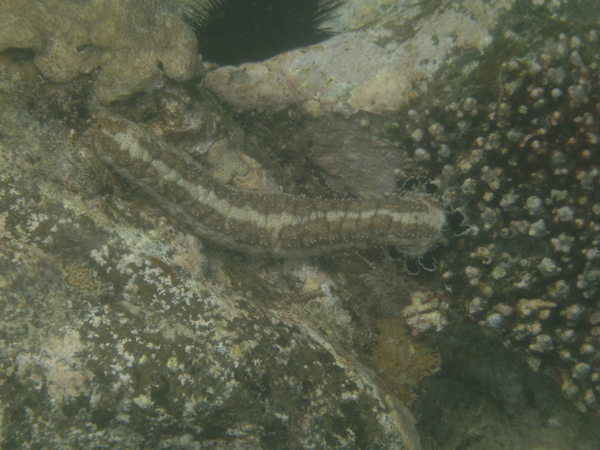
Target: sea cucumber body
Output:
{"points": [[275, 224]]}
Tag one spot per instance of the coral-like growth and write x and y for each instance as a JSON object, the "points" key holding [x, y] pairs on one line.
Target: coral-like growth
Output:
{"points": [[132, 42]]}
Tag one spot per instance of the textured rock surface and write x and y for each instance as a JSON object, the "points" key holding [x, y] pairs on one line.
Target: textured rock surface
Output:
{"points": [[114, 335], [134, 43], [96, 282], [391, 56], [377, 69]]}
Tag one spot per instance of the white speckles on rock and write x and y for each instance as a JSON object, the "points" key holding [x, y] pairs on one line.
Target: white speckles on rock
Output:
{"points": [[525, 281], [591, 253], [573, 312], [412, 114], [556, 75], [548, 267], [476, 155], [493, 320], [578, 94], [563, 243], [525, 330], [570, 388], [564, 214], [537, 229], [436, 129], [425, 314], [519, 226], [589, 397], [544, 314], [444, 151], [587, 349], [417, 135], [534, 363], [536, 92], [143, 401], [488, 196], [422, 154], [533, 205], [529, 307], [491, 177], [469, 104], [587, 180], [541, 343], [503, 309], [566, 355], [489, 218], [587, 279], [469, 186], [464, 165], [559, 290], [575, 42], [499, 272], [594, 318], [581, 370], [542, 218], [476, 306], [473, 274], [514, 135], [566, 336]]}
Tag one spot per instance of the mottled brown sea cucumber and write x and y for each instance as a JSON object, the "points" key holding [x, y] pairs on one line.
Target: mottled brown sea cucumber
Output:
{"points": [[275, 224]]}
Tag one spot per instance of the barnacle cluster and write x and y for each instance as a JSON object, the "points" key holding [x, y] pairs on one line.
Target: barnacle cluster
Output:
{"points": [[134, 43], [525, 170]]}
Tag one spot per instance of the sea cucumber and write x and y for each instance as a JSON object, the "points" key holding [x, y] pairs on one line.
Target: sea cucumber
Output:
{"points": [[261, 223]]}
